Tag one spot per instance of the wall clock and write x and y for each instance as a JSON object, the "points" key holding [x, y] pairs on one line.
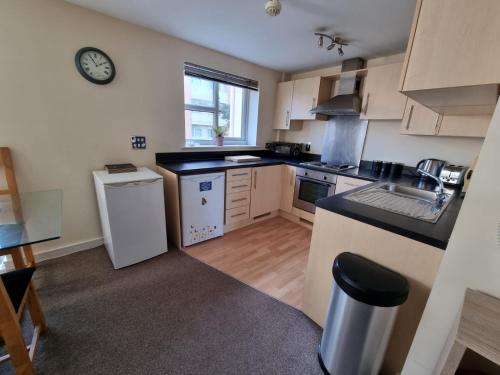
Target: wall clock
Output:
{"points": [[94, 65]]}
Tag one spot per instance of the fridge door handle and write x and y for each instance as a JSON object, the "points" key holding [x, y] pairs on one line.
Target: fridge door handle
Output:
{"points": [[133, 183]]}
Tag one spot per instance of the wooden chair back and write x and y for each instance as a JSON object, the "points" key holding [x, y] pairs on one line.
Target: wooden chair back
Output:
{"points": [[8, 168]]}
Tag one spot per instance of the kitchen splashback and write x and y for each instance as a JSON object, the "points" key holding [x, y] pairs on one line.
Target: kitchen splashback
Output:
{"points": [[344, 140]]}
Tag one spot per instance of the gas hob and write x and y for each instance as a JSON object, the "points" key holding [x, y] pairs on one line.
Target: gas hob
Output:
{"points": [[330, 167]]}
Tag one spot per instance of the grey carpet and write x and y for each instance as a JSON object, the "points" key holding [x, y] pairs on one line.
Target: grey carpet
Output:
{"points": [[169, 315]]}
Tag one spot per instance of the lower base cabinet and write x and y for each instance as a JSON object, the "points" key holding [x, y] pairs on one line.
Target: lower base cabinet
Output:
{"points": [[348, 183], [266, 190], [418, 262], [287, 188]]}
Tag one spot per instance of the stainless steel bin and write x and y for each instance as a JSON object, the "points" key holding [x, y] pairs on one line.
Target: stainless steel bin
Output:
{"points": [[364, 300]]}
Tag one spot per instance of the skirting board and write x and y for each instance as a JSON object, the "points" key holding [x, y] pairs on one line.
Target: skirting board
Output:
{"points": [[60, 251]]}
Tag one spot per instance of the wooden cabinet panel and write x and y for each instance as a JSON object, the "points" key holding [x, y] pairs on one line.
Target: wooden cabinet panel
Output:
{"points": [[464, 126], [266, 190], [455, 44], [381, 97], [237, 214], [307, 93], [238, 174], [451, 63], [348, 183], [287, 187], [283, 108], [237, 186], [237, 199], [419, 120], [305, 98]]}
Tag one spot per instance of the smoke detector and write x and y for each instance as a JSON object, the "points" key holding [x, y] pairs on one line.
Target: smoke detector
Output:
{"points": [[273, 7]]}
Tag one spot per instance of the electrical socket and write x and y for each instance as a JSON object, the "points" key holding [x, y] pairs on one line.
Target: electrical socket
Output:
{"points": [[138, 142]]}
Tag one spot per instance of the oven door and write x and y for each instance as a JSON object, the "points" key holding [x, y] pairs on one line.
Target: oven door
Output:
{"points": [[308, 191]]}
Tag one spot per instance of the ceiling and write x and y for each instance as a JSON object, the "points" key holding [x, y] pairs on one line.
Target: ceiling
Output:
{"points": [[241, 28]]}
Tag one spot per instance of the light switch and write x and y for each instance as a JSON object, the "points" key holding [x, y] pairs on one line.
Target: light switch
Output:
{"points": [[138, 142]]}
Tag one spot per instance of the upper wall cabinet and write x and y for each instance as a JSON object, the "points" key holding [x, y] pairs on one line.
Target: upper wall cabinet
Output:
{"points": [[283, 105], [420, 120], [381, 97], [452, 59], [295, 99], [307, 94]]}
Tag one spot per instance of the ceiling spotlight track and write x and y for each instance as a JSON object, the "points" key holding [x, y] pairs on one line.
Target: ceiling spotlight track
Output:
{"points": [[273, 7], [335, 41]]}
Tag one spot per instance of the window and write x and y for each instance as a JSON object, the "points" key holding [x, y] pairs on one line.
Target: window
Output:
{"points": [[213, 98]]}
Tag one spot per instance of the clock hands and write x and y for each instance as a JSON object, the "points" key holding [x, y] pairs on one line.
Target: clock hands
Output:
{"points": [[93, 60]]}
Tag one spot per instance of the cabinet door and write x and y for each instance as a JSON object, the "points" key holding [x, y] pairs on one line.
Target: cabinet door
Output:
{"points": [[305, 97], [283, 105], [381, 98], [464, 126], [348, 183], [454, 44], [419, 120], [266, 190], [287, 187]]}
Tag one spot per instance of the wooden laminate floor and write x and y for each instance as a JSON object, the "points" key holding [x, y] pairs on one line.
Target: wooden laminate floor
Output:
{"points": [[271, 256]]}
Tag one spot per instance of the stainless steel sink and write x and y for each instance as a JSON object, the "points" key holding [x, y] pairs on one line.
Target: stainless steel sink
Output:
{"points": [[412, 202]]}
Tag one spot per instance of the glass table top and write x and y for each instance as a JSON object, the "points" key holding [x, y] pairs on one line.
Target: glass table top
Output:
{"points": [[30, 218]]}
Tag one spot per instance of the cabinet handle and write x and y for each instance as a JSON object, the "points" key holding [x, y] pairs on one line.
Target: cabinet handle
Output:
{"points": [[238, 200], [437, 128], [409, 117], [240, 174], [239, 186], [241, 214], [366, 105], [287, 119], [351, 184], [255, 179]]}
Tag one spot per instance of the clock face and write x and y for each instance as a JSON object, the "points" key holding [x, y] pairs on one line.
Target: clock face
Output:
{"points": [[95, 65]]}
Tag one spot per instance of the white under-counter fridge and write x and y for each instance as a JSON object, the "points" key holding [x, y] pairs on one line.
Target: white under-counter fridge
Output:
{"points": [[132, 211], [202, 202]]}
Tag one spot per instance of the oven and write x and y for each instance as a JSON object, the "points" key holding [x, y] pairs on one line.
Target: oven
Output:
{"points": [[311, 185]]}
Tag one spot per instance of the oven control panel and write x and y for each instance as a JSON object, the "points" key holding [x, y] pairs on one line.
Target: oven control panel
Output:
{"points": [[317, 175]]}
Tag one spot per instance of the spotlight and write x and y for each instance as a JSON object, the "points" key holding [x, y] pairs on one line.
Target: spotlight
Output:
{"points": [[320, 41], [330, 47], [341, 51]]}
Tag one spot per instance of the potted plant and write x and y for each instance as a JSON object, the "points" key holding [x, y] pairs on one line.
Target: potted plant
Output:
{"points": [[218, 132]]}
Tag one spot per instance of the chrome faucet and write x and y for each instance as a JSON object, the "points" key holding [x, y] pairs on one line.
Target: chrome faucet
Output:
{"points": [[441, 195]]}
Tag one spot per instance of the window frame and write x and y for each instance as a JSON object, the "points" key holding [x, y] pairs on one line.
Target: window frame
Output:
{"points": [[243, 140]]}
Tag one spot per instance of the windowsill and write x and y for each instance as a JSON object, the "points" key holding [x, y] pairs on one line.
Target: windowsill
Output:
{"points": [[225, 147]]}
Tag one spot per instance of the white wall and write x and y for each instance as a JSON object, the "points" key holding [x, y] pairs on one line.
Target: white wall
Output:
{"points": [[60, 127], [471, 260], [384, 142]]}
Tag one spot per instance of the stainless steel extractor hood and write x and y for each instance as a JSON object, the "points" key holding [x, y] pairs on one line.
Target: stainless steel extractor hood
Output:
{"points": [[347, 101]]}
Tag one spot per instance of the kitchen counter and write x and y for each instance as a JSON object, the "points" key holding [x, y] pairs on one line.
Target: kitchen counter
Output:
{"points": [[209, 162], [436, 234]]}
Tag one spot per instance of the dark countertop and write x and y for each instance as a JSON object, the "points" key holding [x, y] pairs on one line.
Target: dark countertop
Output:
{"points": [[436, 234], [209, 166]]}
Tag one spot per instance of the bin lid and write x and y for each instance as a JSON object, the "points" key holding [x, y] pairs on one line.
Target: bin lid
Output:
{"points": [[369, 282]]}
